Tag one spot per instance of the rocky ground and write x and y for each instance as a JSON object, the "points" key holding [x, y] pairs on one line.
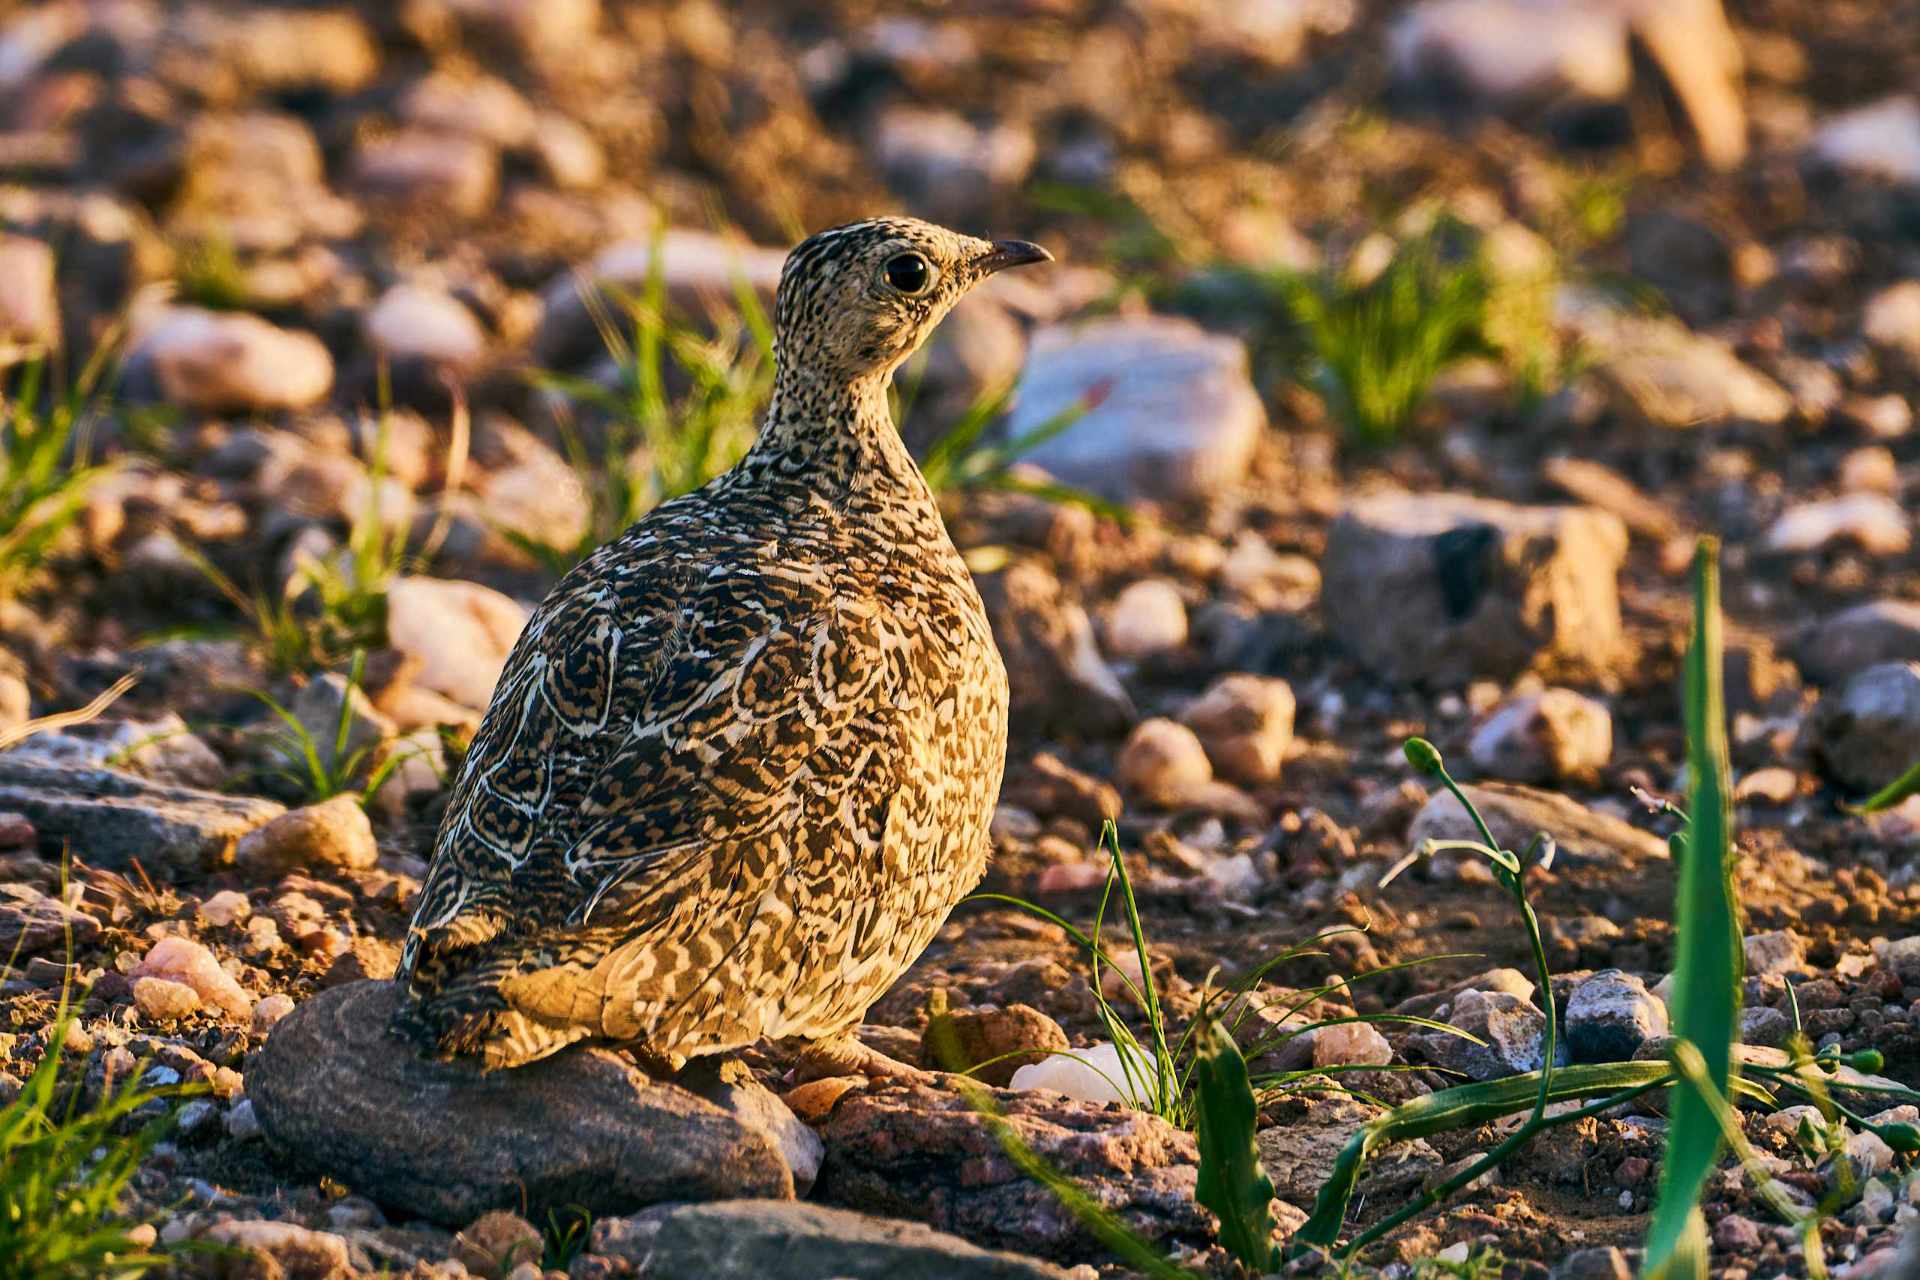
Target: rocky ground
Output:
{"points": [[261, 207]]}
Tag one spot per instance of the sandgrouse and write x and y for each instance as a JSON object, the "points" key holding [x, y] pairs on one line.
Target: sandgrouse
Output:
{"points": [[741, 763]]}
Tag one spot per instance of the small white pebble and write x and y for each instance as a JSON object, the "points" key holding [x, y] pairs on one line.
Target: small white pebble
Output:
{"points": [[163, 1000], [229, 906], [1092, 1074]]}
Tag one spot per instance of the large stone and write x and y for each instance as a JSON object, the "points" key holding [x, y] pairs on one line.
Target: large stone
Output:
{"points": [[414, 325], [1059, 680], [1854, 639], [461, 632], [215, 362], [1868, 733], [334, 833], [447, 1141], [1582, 836], [111, 819], [1173, 414], [752, 1239], [1445, 588], [929, 1154]]}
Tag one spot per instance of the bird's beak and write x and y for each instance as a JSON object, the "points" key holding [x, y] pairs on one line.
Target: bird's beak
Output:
{"points": [[1010, 253]]}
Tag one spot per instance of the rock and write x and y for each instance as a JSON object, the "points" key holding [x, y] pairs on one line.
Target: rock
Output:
{"points": [[461, 633], [1162, 763], [1583, 836], [318, 707], [1902, 956], [732, 1088], [1775, 952], [569, 156], [1245, 723], [285, 1249], [159, 750], [494, 1242], [1839, 647], [189, 963], [1445, 588], [1510, 1027], [227, 907], [1544, 736], [940, 161], [1003, 1039], [270, 1011], [1603, 1262], [110, 819], [164, 1000], [1868, 733], [483, 106], [275, 51], [427, 170], [415, 325], [1350, 1044], [333, 833], [1872, 522], [1661, 372], [751, 1239], [928, 1154], [255, 181], [1881, 140], [1299, 1155], [1094, 1073], [1265, 579], [538, 31], [1176, 417], [29, 303], [228, 361], [1687, 259], [445, 1141], [1059, 681], [1147, 618], [1610, 1015], [1766, 1026], [32, 922], [1887, 417]]}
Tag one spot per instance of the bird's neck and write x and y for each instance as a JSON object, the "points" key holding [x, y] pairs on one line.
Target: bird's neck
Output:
{"points": [[839, 435]]}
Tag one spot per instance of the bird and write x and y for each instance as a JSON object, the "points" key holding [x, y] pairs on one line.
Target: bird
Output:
{"points": [[741, 763]]}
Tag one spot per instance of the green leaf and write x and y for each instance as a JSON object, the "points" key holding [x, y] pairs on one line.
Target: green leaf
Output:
{"points": [[1891, 795], [1232, 1182], [1709, 962]]}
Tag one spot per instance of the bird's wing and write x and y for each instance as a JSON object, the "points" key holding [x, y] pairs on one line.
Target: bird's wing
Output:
{"points": [[625, 746]]}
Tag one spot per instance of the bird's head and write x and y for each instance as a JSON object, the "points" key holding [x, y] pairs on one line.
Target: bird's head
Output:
{"points": [[856, 301]]}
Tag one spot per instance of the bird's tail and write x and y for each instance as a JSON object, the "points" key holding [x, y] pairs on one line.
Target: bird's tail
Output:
{"points": [[465, 1013]]}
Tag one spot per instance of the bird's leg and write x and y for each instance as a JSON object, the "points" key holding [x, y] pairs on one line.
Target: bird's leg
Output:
{"points": [[844, 1055]]}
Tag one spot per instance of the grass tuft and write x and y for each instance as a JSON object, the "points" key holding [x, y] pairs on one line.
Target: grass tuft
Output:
{"points": [[46, 471]]}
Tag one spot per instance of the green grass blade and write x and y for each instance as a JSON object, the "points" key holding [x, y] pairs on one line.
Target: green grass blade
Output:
{"points": [[1893, 794], [1708, 958], [1232, 1181]]}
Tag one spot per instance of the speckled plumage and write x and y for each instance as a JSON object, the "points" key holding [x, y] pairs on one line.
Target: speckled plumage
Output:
{"points": [[741, 763]]}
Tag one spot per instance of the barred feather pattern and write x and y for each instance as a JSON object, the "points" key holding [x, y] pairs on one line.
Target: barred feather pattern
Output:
{"points": [[741, 763]]}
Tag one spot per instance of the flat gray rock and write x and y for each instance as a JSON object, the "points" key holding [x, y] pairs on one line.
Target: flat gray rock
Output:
{"points": [[1582, 836], [751, 1239], [446, 1141], [110, 819]]}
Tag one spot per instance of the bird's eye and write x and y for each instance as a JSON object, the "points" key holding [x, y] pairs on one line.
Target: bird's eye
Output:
{"points": [[909, 273]]}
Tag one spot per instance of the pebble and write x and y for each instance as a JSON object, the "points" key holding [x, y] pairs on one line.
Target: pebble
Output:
{"points": [[1091, 1074], [1145, 619], [1004, 1038], [1879, 140], [184, 961], [227, 907], [1863, 635], [1872, 522], [447, 172], [1610, 1016], [1179, 418], [461, 633], [333, 833], [1544, 736], [29, 305], [241, 1124], [1245, 724], [1350, 1044], [291, 1250], [414, 323], [1162, 763], [269, 1011], [1509, 1026], [163, 1000], [1775, 952], [214, 361]]}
